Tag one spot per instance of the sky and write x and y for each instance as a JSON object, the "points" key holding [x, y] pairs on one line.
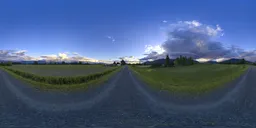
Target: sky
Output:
{"points": [[133, 30]]}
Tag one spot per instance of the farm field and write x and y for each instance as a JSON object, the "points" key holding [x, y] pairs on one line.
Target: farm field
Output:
{"points": [[198, 78], [62, 77], [61, 70]]}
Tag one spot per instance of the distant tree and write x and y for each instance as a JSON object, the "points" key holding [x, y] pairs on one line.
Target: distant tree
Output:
{"points": [[167, 61], [9, 63], [123, 62], [117, 62], [80, 62], [183, 60], [35, 62], [242, 61], [190, 61], [114, 63], [63, 62]]}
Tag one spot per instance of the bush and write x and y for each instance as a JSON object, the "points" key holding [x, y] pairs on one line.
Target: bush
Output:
{"points": [[60, 80]]}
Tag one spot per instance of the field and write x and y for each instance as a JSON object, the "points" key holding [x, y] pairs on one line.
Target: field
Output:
{"points": [[197, 79], [61, 70], [62, 77]]}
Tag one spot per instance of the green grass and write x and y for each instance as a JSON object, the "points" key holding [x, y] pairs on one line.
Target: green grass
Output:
{"points": [[61, 70], [196, 79], [65, 88]]}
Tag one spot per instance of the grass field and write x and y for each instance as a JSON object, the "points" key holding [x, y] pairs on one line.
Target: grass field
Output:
{"points": [[64, 71], [61, 70], [196, 79]]}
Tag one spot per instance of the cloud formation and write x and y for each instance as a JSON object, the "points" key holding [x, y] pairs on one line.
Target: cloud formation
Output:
{"points": [[130, 59], [111, 38], [192, 38], [20, 55]]}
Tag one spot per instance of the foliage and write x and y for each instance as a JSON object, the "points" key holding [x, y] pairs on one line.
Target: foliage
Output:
{"points": [[235, 61], [9, 63], [242, 61], [183, 60], [123, 62], [60, 80], [35, 63], [167, 61]]}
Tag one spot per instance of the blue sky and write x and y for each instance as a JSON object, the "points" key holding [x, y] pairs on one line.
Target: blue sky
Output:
{"points": [[47, 27]]}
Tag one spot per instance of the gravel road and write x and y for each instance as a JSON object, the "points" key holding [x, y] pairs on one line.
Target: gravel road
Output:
{"points": [[124, 102]]}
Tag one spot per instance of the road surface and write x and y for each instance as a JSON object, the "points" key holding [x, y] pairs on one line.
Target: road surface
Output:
{"points": [[124, 102]]}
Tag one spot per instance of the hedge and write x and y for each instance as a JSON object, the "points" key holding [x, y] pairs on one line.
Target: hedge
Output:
{"points": [[60, 80]]}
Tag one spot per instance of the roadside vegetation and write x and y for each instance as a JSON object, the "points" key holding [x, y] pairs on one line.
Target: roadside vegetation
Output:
{"points": [[6, 64], [61, 70], [62, 77], [187, 76]]}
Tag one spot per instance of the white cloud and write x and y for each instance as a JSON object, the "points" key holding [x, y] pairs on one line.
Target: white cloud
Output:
{"points": [[63, 56], [111, 38], [130, 59], [157, 48], [164, 21], [193, 23]]}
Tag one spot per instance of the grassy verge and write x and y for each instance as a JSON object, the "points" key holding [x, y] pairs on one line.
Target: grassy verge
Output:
{"points": [[66, 87], [196, 79]]}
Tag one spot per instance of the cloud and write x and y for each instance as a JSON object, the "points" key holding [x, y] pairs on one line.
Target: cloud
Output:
{"points": [[20, 55], [20, 52], [164, 21], [49, 57], [75, 53], [14, 55], [192, 38], [157, 48], [111, 38], [130, 59], [63, 56]]}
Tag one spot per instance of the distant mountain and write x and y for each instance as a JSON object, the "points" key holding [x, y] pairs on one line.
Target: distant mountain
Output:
{"points": [[235, 61], [211, 62], [159, 61]]}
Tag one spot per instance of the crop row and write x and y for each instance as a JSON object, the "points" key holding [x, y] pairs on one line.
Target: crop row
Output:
{"points": [[60, 80]]}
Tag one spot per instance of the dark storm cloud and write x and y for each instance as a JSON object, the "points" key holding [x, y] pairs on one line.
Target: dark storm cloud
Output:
{"points": [[191, 38]]}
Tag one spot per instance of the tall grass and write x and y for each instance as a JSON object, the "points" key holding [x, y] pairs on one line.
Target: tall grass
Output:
{"points": [[60, 80]]}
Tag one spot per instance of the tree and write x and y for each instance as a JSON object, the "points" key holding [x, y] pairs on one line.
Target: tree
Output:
{"points": [[123, 62], [114, 63], [80, 62], [9, 63], [167, 61], [35, 63], [63, 62], [242, 61], [190, 61]]}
